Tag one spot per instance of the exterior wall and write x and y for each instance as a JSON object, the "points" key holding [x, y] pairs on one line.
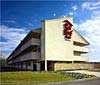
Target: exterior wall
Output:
{"points": [[64, 66], [57, 48], [78, 38], [97, 65], [43, 41]]}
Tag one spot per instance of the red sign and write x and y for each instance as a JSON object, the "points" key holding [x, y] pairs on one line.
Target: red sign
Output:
{"points": [[68, 30]]}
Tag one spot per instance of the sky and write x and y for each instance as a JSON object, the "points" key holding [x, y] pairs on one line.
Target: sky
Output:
{"points": [[19, 17]]}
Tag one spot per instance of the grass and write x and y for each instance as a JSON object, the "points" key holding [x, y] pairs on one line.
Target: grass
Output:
{"points": [[33, 77]]}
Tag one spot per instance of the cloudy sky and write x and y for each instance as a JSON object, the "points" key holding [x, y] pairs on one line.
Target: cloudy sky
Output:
{"points": [[18, 17]]}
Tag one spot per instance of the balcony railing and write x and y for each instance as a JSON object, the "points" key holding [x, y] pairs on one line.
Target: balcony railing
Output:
{"points": [[32, 41], [80, 49], [80, 58], [29, 56]]}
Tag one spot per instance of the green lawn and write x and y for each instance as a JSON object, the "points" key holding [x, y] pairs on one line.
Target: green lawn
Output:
{"points": [[33, 77]]}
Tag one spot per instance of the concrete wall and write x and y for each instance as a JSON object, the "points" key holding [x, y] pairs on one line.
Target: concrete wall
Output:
{"points": [[97, 65], [65, 66], [43, 41], [78, 38], [56, 47]]}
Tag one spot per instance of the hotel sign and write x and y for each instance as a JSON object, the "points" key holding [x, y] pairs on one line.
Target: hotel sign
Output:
{"points": [[67, 30]]}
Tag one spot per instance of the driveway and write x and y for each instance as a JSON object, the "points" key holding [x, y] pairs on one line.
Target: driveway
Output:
{"points": [[86, 72]]}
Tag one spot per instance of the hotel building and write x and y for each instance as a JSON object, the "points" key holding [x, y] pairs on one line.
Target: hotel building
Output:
{"points": [[47, 48]]}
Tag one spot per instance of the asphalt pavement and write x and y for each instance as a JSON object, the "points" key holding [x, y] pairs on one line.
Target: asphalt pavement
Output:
{"points": [[94, 81]]}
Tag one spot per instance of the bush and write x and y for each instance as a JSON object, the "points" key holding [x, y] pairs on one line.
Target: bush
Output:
{"points": [[79, 75]]}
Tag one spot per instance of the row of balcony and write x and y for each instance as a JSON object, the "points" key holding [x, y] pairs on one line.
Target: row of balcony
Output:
{"points": [[80, 58], [80, 49], [32, 41], [28, 56]]}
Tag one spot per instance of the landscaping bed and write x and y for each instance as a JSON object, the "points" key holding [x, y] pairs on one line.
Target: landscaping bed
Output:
{"points": [[78, 75]]}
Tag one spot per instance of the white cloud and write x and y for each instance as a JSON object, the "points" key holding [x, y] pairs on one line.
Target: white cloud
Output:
{"points": [[91, 5], [30, 24], [91, 30], [54, 14], [70, 13], [74, 8], [96, 13], [12, 37], [10, 21], [64, 16]]}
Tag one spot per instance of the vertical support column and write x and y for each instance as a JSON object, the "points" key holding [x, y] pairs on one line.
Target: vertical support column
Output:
{"points": [[32, 65], [17, 65], [72, 62], [21, 65], [38, 66], [45, 65], [24, 65]]}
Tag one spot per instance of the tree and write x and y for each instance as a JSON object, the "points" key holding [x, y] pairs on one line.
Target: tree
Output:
{"points": [[2, 61]]}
